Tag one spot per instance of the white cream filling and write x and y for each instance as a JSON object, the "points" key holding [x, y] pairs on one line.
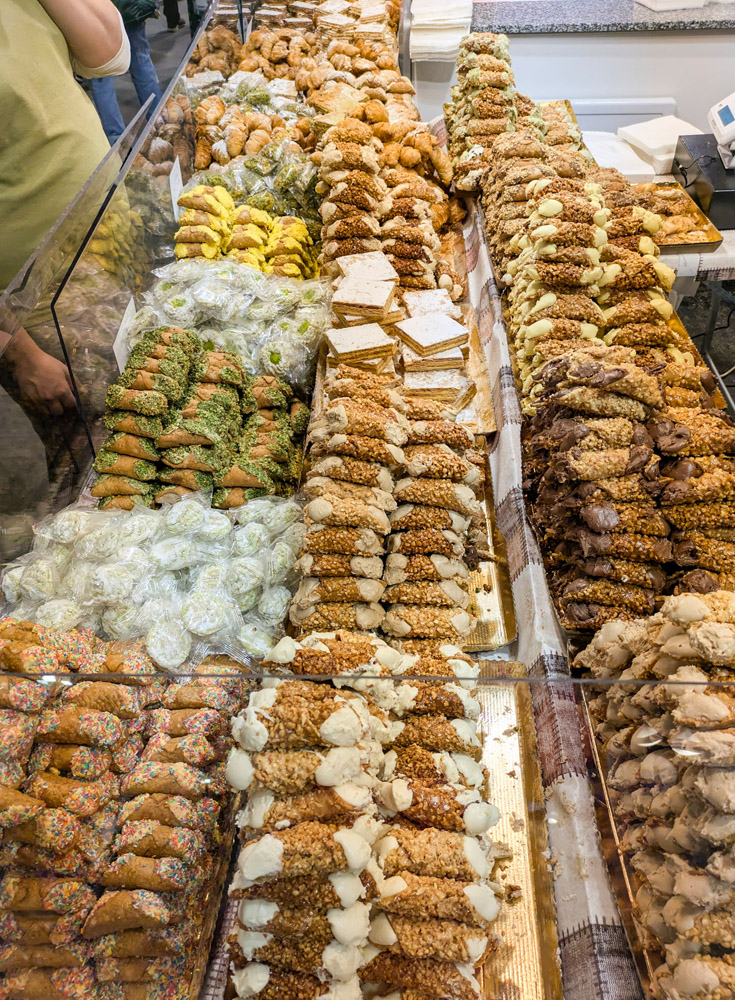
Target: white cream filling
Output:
{"points": [[256, 913], [350, 926], [260, 859], [356, 848], [239, 770], [251, 980]]}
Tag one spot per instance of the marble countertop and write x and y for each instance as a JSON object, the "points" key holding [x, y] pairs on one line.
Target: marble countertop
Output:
{"points": [[527, 17]]}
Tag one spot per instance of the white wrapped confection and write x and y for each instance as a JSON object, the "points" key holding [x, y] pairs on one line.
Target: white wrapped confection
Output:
{"points": [[100, 543], [252, 511], [69, 525], [293, 536], [120, 621], [59, 614], [273, 605], [139, 527], [11, 583], [168, 644], [212, 577], [39, 580], [280, 561], [203, 613], [250, 539], [216, 526], [174, 553], [183, 517], [111, 583], [244, 575], [158, 609], [280, 515], [255, 639]]}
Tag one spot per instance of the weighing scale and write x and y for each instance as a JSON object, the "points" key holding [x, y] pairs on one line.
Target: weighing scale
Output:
{"points": [[704, 165]]}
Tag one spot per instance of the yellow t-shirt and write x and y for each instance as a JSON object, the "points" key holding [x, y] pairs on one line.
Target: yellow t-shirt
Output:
{"points": [[51, 138]]}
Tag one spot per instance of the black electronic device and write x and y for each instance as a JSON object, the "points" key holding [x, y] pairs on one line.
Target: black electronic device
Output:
{"points": [[700, 171]]}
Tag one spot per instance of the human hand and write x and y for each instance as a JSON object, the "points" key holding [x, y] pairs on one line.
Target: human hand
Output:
{"points": [[44, 384]]}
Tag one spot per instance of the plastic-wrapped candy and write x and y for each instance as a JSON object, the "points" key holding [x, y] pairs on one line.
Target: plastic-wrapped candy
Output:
{"points": [[100, 543], [273, 605], [138, 527], [175, 553], [279, 562], [59, 614], [39, 579], [250, 539], [204, 613], [164, 608], [68, 526], [77, 584], [184, 517], [135, 559], [252, 511], [215, 527], [256, 639], [211, 577], [119, 622], [11, 583], [168, 644], [278, 516], [293, 536], [244, 580], [111, 583]]}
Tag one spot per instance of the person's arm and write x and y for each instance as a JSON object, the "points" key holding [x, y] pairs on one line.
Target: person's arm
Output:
{"points": [[92, 28]]}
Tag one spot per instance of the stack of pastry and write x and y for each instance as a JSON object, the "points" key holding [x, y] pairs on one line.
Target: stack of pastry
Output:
{"points": [[430, 927], [349, 178], [185, 419], [204, 228], [112, 825], [307, 757], [437, 522], [483, 105], [153, 381], [356, 443], [276, 53], [667, 756], [268, 453], [224, 133]]}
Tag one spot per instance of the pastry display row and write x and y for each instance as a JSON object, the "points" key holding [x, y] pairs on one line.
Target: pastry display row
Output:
{"points": [[627, 446], [116, 816]]}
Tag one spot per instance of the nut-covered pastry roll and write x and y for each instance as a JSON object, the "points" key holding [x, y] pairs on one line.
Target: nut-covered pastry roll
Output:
{"points": [[434, 732], [339, 803], [421, 896], [290, 772], [432, 852], [426, 621], [443, 940], [304, 850], [299, 714]]}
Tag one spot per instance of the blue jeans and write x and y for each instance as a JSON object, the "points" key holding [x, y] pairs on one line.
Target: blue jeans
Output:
{"points": [[144, 77]]}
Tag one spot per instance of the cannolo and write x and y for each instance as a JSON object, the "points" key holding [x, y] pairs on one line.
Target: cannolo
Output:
{"points": [[298, 714], [335, 564], [412, 517], [292, 771], [16, 808], [170, 810], [444, 593], [334, 804], [320, 486], [347, 589], [128, 871], [53, 829], [192, 749], [72, 955], [426, 977], [435, 732], [305, 850], [443, 940], [183, 721], [426, 621], [117, 699], [138, 970], [322, 539], [341, 512], [436, 493], [154, 840], [421, 896], [147, 943], [171, 779], [80, 726], [45, 984], [426, 541], [366, 419], [365, 450], [50, 895], [327, 616], [82, 798], [343, 468], [399, 568], [37, 930], [125, 910]]}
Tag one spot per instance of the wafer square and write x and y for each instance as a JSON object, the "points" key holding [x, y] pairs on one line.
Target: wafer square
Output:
{"points": [[432, 333]]}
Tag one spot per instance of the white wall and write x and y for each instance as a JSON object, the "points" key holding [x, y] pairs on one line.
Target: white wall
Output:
{"points": [[695, 68]]}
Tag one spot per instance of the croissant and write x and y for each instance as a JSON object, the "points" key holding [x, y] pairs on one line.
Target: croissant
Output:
{"points": [[256, 140], [210, 110], [235, 136]]}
